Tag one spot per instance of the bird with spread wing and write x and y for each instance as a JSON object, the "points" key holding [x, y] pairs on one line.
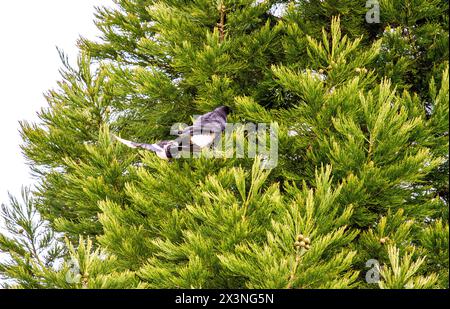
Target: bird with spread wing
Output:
{"points": [[205, 130]]}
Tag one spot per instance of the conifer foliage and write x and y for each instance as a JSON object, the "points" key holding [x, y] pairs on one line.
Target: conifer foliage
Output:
{"points": [[358, 199]]}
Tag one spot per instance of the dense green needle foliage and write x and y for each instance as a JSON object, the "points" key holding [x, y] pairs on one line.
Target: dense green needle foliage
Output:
{"points": [[361, 186]]}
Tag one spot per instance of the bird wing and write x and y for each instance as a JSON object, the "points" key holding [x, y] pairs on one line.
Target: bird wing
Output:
{"points": [[212, 121]]}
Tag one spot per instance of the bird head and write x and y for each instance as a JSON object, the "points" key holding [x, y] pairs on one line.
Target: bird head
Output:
{"points": [[225, 110]]}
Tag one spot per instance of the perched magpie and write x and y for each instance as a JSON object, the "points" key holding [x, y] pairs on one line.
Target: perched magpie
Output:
{"points": [[203, 132]]}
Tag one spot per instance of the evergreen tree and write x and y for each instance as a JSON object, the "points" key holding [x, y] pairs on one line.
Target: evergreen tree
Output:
{"points": [[362, 174]]}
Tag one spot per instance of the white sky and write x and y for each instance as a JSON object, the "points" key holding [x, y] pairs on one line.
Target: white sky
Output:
{"points": [[30, 30]]}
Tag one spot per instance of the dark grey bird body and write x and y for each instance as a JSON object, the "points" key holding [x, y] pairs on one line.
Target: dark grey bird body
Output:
{"points": [[214, 121], [207, 127]]}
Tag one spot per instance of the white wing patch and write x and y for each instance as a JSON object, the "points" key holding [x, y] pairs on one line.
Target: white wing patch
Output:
{"points": [[202, 140]]}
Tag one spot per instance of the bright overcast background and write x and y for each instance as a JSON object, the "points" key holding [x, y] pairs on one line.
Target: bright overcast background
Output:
{"points": [[30, 31]]}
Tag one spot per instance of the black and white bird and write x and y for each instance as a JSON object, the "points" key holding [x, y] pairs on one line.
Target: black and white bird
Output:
{"points": [[204, 131], [207, 128]]}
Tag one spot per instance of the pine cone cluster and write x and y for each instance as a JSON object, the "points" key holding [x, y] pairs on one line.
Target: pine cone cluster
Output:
{"points": [[302, 242]]}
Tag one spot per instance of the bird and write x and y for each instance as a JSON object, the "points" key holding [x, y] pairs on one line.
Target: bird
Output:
{"points": [[207, 128], [204, 131]]}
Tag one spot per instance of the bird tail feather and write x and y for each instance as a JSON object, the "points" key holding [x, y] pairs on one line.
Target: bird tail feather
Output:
{"points": [[137, 145]]}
